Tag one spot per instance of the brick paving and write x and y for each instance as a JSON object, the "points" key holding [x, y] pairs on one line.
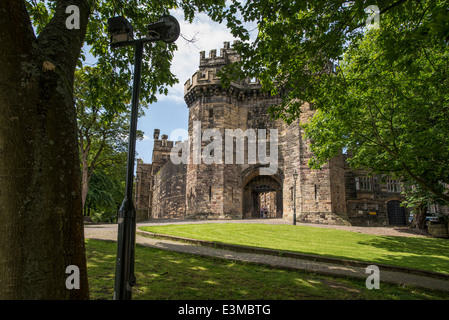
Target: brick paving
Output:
{"points": [[109, 232]]}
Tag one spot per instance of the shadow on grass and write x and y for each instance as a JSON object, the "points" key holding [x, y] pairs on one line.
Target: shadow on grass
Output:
{"points": [[417, 253], [166, 275]]}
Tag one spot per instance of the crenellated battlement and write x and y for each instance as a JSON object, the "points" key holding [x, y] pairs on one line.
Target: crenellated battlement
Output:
{"points": [[206, 79], [209, 66], [227, 55]]}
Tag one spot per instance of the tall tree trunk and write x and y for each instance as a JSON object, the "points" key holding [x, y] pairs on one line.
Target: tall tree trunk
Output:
{"points": [[85, 179], [419, 220], [41, 227]]}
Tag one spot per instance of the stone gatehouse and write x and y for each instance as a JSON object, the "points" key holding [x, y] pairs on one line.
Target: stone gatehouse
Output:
{"points": [[238, 190]]}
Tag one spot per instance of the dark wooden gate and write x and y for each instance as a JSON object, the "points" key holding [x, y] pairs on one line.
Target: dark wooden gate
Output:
{"points": [[396, 213]]}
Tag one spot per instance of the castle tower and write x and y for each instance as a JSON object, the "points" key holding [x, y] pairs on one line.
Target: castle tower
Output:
{"points": [[217, 189], [235, 190]]}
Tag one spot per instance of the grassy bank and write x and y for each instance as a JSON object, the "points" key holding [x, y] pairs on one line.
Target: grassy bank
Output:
{"points": [[420, 253]]}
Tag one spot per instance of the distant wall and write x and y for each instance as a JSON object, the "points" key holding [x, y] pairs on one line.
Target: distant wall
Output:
{"points": [[169, 192]]}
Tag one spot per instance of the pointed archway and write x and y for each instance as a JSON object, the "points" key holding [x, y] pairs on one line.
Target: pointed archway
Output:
{"points": [[262, 192]]}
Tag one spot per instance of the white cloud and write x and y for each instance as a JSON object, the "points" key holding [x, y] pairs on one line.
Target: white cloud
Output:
{"points": [[208, 35]]}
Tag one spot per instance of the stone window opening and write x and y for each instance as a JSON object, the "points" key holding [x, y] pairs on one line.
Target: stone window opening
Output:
{"points": [[210, 193], [363, 183], [393, 185]]}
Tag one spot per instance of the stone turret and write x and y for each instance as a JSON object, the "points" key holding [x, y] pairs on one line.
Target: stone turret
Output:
{"points": [[215, 190], [161, 150], [206, 82]]}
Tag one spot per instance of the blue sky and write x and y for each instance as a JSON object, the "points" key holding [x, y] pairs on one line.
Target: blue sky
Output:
{"points": [[170, 112]]}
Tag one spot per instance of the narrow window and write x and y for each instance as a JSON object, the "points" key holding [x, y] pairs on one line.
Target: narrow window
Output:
{"points": [[210, 194], [211, 113], [315, 193]]}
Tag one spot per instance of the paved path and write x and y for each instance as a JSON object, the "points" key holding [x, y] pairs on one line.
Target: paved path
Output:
{"points": [[109, 232]]}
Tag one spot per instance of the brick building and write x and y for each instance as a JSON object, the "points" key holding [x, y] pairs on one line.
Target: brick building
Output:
{"points": [[239, 189]]}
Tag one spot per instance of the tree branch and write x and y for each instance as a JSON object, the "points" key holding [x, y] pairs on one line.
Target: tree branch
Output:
{"points": [[62, 46]]}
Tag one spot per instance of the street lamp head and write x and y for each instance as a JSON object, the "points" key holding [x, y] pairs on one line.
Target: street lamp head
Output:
{"points": [[295, 175], [120, 30], [165, 29]]}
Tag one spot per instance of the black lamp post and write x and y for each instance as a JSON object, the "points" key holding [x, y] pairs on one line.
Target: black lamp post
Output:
{"points": [[295, 176], [121, 32]]}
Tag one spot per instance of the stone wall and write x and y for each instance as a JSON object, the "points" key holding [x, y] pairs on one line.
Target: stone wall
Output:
{"points": [[368, 206], [169, 192], [143, 190]]}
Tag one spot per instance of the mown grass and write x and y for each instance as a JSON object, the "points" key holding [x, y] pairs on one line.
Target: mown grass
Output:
{"points": [[420, 253], [166, 275]]}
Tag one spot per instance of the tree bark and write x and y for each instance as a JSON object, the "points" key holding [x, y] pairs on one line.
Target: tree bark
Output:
{"points": [[85, 177], [41, 221], [420, 218]]}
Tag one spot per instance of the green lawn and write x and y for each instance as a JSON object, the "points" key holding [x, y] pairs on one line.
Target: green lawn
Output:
{"points": [[166, 275], [412, 252]]}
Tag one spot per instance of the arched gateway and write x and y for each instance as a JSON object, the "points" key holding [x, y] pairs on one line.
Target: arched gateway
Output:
{"points": [[259, 192]]}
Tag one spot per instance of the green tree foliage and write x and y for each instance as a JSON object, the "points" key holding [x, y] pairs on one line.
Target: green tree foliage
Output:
{"points": [[392, 114], [103, 123], [105, 195], [380, 93]]}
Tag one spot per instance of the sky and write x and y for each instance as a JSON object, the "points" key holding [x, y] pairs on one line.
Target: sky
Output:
{"points": [[170, 113]]}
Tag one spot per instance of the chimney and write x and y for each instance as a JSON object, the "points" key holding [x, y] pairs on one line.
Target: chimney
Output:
{"points": [[156, 134]]}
